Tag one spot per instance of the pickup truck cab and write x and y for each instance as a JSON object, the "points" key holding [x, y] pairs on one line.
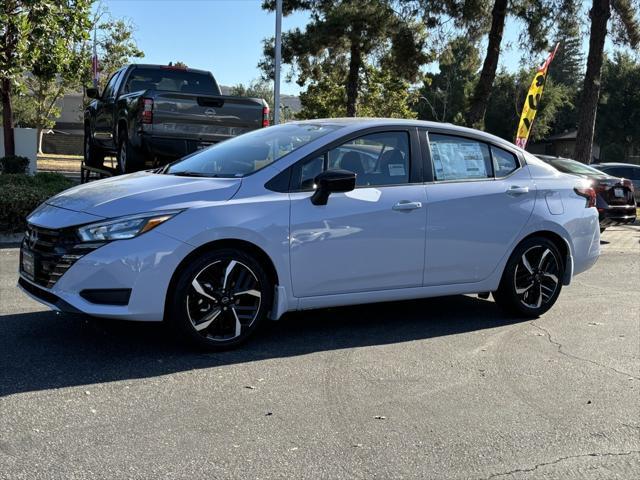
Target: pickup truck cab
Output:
{"points": [[156, 114]]}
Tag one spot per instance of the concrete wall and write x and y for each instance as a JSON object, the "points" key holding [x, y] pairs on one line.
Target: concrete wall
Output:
{"points": [[26, 140]]}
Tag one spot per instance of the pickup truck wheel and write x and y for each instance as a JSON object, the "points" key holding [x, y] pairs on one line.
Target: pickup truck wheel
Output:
{"points": [[128, 160], [92, 155]]}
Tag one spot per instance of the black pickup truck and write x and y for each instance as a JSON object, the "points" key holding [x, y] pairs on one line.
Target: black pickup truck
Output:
{"points": [[153, 114]]}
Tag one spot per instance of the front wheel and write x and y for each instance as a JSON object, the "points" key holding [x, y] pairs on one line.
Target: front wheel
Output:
{"points": [[93, 157], [220, 299], [532, 279], [128, 158]]}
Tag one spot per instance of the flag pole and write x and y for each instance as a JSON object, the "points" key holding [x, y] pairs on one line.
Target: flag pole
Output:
{"points": [[278, 59]]}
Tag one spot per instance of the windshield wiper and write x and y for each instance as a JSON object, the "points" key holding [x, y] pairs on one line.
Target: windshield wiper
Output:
{"points": [[187, 173]]}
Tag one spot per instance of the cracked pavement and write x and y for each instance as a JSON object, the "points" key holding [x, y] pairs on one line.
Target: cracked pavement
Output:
{"points": [[439, 388]]}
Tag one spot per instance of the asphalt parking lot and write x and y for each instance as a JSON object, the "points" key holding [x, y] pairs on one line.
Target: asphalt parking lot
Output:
{"points": [[439, 388]]}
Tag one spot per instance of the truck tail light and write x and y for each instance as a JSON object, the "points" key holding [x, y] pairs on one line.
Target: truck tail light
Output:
{"points": [[146, 113], [265, 116], [587, 192]]}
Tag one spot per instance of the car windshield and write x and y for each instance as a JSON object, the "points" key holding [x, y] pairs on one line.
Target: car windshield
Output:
{"points": [[248, 153], [571, 166]]}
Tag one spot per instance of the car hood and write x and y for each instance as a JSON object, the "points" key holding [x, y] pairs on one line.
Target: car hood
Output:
{"points": [[144, 192]]}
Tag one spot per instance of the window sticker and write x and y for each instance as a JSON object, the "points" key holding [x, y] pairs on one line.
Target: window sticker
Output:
{"points": [[396, 170], [456, 160]]}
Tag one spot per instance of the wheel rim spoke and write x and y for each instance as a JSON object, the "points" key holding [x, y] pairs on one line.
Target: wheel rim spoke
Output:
{"points": [[525, 289], [254, 293], [238, 324], [228, 271], [526, 263], [208, 320], [543, 258], [198, 288]]}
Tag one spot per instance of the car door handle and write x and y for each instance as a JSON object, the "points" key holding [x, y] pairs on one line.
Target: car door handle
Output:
{"points": [[406, 205], [517, 190]]}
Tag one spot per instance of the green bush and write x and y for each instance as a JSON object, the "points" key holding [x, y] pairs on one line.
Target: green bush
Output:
{"points": [[14, 164], [20, 194]]}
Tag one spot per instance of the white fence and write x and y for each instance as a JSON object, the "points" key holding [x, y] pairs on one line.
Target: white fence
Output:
{"points": [[26, 140]]}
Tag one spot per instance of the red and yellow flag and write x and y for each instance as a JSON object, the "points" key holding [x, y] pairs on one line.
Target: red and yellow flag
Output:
{"points": [[532, 101]]}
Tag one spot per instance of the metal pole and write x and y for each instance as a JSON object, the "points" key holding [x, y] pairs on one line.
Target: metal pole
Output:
{"points": [[278, 59]]}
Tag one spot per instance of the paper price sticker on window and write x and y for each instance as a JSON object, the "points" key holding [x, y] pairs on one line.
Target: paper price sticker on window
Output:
{"points": [[396, 170]]}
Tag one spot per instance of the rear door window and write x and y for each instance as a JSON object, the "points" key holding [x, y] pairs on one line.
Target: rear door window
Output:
{"points": [[458, 158]]}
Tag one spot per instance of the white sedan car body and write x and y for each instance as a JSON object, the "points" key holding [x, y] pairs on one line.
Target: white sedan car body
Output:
{"points": [[436, 210]]}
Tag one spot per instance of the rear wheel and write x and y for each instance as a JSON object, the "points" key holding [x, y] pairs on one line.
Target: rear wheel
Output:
{"points": [[93, 157], [221, 299], [532, 279]]}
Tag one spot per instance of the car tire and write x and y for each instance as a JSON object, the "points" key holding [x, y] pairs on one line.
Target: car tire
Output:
{"points": [[602, 229], [532, 279], [93, 157], [128, 158], [220, 299]]}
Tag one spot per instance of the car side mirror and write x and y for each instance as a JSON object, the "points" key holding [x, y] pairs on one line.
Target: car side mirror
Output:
{"points": [[332, 181], [93, 93]]}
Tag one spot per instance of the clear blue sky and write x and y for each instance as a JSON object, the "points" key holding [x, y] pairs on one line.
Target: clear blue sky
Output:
{"points": [[225, 36]]}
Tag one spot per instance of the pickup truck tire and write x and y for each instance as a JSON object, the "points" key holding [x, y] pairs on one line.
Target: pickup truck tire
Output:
{"points": [[93, 157], [128, 158]]}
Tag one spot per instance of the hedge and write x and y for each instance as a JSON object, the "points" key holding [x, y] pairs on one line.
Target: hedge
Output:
{"points": [[20, 194]]}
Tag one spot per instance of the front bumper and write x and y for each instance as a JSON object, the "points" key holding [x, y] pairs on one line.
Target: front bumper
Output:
{"points": [[142, 266]]}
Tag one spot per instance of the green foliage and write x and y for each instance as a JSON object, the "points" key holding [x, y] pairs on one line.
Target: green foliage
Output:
{"points": [[14, 164], [618, 121], [349, 33], [259, 88], [21, 194], [445, 95]]}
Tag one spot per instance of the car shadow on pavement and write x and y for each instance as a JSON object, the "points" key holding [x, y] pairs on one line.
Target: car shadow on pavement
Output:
{"points": [[45, 350]]}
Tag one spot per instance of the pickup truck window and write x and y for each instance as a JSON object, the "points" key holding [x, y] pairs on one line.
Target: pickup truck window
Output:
{"points": [[250, 152], [172, 80]]}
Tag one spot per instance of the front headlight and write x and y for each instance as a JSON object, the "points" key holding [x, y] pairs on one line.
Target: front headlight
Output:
{"points": [[124, 227]]}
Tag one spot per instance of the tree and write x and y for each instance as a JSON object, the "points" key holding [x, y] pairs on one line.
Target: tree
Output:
{"points": [[36, 36], [259, 88], [360, 32], [567, 67], [626, 30], [618, 126], [471, 15], [115, 44], [445, 94]]}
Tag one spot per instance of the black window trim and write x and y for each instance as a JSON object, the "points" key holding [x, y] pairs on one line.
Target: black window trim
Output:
{"points": [[114, 93], [428, 164], [415, 160]]}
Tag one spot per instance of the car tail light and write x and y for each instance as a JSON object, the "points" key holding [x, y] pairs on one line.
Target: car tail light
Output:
{"points": [[146, 114], [265, 116], [628, 183], [587, 192]]}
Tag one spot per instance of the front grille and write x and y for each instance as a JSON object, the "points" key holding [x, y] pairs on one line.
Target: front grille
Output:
{"points": [[54, 251]]}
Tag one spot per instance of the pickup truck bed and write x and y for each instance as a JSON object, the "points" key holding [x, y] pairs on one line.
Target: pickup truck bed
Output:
{"points": [[149, 115]]}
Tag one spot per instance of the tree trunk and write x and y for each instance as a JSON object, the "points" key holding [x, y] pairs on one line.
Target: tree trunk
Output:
{"points": [[475, 115], [600, 13], [353, 78], [7, 118]]}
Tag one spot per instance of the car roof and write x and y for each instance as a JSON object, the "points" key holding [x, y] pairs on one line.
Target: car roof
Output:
{"points": [[366, 122]]}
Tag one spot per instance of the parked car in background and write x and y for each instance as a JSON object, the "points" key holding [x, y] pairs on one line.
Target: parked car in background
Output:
{"points": [[158, 113], [313, 214], [615, 196], [623, 170]]}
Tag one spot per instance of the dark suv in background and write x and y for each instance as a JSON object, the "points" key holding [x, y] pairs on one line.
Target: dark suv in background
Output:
{"points": [[615, 196]]}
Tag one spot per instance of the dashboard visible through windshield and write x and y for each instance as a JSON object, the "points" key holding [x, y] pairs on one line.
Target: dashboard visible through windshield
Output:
{"points": [[248, 153]]}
